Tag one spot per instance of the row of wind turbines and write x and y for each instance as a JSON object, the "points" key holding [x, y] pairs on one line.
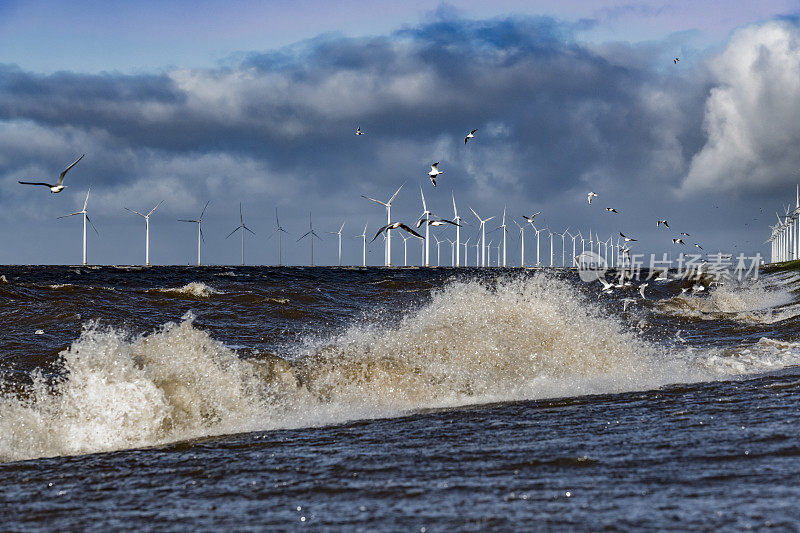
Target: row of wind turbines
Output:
{"points": [[427, 218]]}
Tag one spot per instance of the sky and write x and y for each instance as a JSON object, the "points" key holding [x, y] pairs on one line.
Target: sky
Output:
{"points": [[257, 103]]}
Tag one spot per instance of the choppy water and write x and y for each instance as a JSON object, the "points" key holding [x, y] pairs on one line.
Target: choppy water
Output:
{"points": [[360, 399]]}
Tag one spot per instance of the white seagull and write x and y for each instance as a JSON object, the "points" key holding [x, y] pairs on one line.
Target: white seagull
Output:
{"points": [[642, 287], [684, 233], [611, 210], [591, 196], [470, 135], [627, 239], [441, 222], [59, 186], [358, 131], [395, 225], [678, 241], [434, 173], [662, 222], [530, 218], [698, 246]]}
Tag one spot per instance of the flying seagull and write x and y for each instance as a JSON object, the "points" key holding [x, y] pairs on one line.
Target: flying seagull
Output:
{"points": [[662, 222], [676, 60], [441, 222], [698, 246], [590, 196], [470, 135], [678, 241], [611, 210], [530, 218], [642, 287], [684, 233], [434, 173], [59, 186], [358, 131], [627, 239], [395, 225]]}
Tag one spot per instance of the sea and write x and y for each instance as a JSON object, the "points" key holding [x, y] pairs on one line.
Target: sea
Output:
{"points": [[395, 399]]}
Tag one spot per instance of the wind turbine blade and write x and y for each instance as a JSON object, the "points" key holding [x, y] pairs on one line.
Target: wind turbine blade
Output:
{"points": [[374, 200], [92, 224], [395, 194], [304, 236], [248, 229], [474, 213], [340, 229], [137, 212], [86, 202], [424, 207], [277, 220], [184, 220], [203, 237], [455, 211], [241, 216], [72, 214], [234, 231], [204, 210], [156, 207]]}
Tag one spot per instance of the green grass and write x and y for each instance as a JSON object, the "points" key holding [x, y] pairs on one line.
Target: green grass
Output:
{"points": [[783, 266]]}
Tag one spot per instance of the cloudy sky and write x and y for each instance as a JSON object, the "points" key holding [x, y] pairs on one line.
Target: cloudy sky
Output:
{"points": [[257, 102]]}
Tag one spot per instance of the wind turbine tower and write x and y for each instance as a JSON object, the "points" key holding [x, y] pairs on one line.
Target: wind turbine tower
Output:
{"points": [[146, 231], [388, 253], [200, 236], [85, 219]]}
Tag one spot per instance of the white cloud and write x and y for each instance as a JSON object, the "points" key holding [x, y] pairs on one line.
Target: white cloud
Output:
{"points": [[751, 114]]}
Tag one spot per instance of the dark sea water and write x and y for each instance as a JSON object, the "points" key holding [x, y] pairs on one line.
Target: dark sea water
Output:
{"points": [[175, 398]]}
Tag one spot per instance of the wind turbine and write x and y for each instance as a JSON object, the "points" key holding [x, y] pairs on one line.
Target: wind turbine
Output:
{"points": [[452, 251], [199, 230], [503, 226], [551, 247], [85, 218], [278, 229], [521, 244], [241, 227], [489, 253], [339, 233], [405, 249], [388, 205], [363, 249], [466, 248], [483, 235], [574, 237], [427, 216], [563, 261], [438, 242], [310, 233], [146, 231], [457, 220]]}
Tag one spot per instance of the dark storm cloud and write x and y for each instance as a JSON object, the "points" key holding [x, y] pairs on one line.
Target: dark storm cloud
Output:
{"points": [[565, 112]]}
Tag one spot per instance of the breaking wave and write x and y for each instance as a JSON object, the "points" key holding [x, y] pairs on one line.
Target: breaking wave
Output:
{"points": [[195, 289], [765, 301], [472, 342]]}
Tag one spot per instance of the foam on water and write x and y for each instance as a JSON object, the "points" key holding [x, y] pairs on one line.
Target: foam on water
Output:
{"points": [[472, 342], [196, 289], [765, 301]]}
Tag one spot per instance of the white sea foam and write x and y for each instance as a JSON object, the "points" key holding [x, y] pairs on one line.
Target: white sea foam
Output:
{"points": [[472, 343], [196, 289], [765, 302]]}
